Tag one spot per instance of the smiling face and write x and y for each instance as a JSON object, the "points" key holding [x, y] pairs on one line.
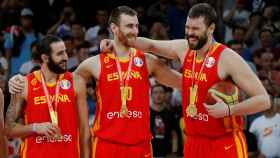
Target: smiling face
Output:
{"points": [[127, 29], [57, 61], [197, 32]]}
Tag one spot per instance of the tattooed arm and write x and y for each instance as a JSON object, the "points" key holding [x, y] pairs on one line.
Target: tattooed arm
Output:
{"points": [[16, 111]]}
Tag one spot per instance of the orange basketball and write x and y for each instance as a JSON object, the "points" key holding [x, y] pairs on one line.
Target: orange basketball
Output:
{"points": [[226, 90]]}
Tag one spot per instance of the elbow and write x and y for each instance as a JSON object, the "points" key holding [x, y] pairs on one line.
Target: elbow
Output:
{"points": [[266, 102], [8, 133]]}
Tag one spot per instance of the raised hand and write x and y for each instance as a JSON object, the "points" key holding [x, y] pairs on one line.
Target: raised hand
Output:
{"points": [[16, 84], [106, 45]]}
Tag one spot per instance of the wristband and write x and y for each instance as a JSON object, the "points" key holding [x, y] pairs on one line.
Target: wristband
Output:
{"points": [[34, 127]]}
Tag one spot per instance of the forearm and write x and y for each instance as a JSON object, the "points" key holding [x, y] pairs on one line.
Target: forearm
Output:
{"points": [[252, 105], [161, 48], [53, 29], [19, 130], [13, 127], [84, 143], [3, 146]]}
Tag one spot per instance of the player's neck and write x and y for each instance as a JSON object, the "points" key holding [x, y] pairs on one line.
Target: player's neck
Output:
{"points": [[120, 49], [204, 50], [49, 76]]}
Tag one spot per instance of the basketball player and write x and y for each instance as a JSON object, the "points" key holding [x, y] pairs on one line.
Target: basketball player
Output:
{"points": [[3, 141], [215, 130], [121, 128], [53, 104]]}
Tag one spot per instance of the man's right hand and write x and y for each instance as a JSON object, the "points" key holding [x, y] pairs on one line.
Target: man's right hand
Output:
{"points": [[16, 84], [46, 128], [106, 45]]}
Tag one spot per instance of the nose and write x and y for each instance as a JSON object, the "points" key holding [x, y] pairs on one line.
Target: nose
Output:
{"points": [[65, 56], [135, 30]]}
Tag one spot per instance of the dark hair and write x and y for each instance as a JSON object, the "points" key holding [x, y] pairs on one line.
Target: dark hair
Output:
{"points": [[35, 55], [204, 10], [234, 42], [158, 85], [103, 30], [238, 28], [44, 46], [265, 30], [84, 44], [116, 13]]}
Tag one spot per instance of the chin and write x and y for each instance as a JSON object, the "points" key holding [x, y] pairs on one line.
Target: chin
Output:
{"points": [[193, 47]]}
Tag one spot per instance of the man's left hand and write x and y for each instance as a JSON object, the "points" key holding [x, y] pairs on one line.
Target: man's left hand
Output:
{"points": [[218, 110]]}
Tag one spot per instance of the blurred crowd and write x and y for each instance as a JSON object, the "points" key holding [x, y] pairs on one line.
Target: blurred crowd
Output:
{"points": [[250, 27]]}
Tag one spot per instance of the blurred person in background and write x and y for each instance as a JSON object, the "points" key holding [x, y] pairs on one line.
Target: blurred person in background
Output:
{"points": [[103, 33], [28, 66], [78, 33], [163, 124], [63, 26], [101, 18], [267, 130], [10, 12], [19, 39], [238, 47], [237, 16], [82, 53]]}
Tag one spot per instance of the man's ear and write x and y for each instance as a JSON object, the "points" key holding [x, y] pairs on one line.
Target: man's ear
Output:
{"points": [[114, 27], [211, 28], [44, 58]]}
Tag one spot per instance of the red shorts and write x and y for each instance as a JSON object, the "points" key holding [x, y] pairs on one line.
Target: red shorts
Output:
{"points": [[231, 145], [106, 149]]}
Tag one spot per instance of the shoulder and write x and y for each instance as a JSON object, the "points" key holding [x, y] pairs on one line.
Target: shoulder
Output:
{"points": [[230, 58], [89, 68], [89, 62]]}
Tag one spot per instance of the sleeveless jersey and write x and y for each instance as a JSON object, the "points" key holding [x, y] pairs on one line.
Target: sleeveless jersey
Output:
{"points": [[109, 125], [37, 111], [202, 123]]}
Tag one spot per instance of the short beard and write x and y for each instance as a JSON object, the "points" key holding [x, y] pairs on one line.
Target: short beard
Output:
{"points": [[54, 67], [201, 42], [124, 39]]}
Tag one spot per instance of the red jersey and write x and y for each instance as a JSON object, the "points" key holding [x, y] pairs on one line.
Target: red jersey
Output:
{"points": [[109, 125], [37, 111], [202, 123]]}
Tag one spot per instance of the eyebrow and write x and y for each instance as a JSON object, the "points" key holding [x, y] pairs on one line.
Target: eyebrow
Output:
{"points": [[61, 51]]}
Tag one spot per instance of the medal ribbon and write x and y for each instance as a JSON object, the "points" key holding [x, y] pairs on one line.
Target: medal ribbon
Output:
{"points": [[194, 80], [124, 81], [52, 110]]}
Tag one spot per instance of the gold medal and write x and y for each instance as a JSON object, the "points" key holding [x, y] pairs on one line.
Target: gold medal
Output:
{"points": [[124, 94], [124, 83], [191, 110]]}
